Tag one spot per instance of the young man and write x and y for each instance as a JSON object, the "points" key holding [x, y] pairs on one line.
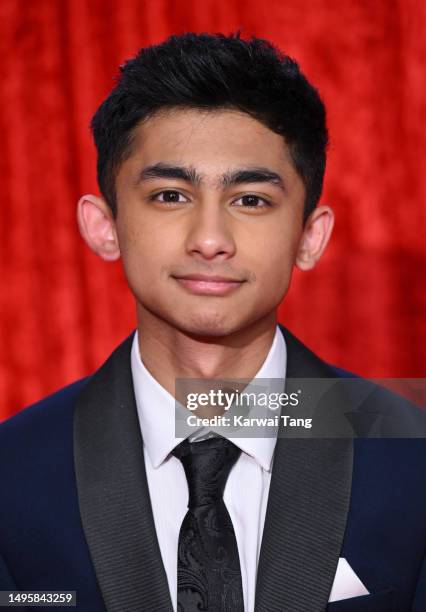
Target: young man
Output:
{"points": [[211, 156]]}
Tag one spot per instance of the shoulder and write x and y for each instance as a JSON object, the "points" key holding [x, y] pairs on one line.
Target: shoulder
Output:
{"points": [[390, 450], [43, 425], [49, 408], [37, 480], [45, 429], [388, 429]]}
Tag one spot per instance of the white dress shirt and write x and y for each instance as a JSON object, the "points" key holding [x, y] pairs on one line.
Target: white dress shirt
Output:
{"points": [[247, 487]]}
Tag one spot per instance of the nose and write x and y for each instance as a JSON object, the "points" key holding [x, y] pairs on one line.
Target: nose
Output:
{"points": [[209, 236]]}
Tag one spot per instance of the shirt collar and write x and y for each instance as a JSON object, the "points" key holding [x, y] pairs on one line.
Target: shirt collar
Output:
{"points": [[156, 407]]}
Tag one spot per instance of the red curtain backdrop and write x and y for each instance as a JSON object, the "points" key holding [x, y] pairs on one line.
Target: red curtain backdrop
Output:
{"points": [[63, 310]]}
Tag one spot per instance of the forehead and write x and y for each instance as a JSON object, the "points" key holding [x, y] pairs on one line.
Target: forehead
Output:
{"points": [[210, 141]]}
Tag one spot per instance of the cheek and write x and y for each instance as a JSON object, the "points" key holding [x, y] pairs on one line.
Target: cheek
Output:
{"points": [[144, 255], [273, 258], [273, 268]]}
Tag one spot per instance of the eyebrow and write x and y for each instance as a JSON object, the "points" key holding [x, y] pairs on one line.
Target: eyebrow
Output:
{"points": [[162, 170], [229, 178]]}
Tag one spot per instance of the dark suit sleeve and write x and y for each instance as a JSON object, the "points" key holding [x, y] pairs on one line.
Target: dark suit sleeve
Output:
{"points": [[419, 604], [6, 582]]}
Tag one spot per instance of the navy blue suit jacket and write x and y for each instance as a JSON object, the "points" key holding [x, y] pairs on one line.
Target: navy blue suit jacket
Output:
{"points": [[75, 512]]}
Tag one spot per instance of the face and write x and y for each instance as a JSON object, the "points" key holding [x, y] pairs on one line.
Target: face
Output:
{"points": [[209, 220]]}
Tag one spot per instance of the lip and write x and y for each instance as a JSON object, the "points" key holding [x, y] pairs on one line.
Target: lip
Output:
{"points": [[201, 284]]}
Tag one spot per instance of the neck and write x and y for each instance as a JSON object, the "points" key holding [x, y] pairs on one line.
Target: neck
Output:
{"points": [[169, 353]]}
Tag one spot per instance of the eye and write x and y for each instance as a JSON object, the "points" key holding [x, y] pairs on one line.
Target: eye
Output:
{"points": [[169, 196], [251, 201]]}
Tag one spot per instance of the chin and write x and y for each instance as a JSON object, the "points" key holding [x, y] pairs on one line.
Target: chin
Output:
{"points": [[212, 325]]}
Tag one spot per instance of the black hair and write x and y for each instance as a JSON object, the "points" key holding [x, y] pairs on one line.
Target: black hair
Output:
{"points": [[214, 71]]}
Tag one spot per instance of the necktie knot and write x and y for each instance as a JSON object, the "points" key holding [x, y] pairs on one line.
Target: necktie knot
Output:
{"points": [[207, 465]]}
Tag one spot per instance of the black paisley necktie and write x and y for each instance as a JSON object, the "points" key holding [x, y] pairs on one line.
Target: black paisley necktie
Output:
{"points": [[209, 574]]}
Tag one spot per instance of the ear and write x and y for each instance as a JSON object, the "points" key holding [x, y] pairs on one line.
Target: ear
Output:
{"points": [[315, 237], [97, 227]]}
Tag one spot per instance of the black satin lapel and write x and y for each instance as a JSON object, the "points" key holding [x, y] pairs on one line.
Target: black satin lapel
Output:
{"points": [[307, 509], [113, 492]]}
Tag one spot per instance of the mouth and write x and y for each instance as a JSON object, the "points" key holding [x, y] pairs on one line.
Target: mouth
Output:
{"points": [[201, 284]]}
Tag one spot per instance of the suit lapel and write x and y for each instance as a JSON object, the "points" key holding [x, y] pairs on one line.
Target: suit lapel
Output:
{"points": [[113, 491], [307, 509]]}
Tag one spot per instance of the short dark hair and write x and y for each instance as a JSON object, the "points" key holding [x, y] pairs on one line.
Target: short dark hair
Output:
{"points": [[214, 71]]}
